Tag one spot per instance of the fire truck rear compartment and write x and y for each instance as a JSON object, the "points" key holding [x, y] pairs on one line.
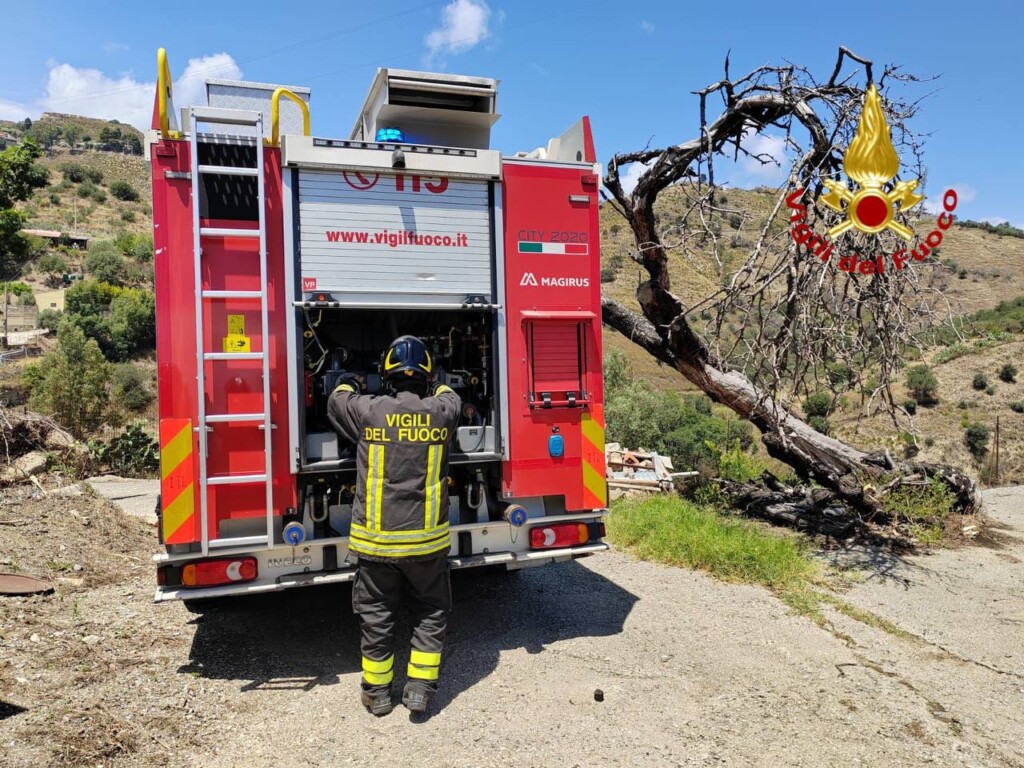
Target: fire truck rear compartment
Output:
{"points": [[337, 342]]}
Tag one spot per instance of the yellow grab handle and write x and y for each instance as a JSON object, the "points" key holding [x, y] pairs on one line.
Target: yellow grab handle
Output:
{"points": [[163, 92], [275, 114]]}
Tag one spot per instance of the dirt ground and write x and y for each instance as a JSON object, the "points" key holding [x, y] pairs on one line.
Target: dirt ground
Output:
{"points": [[693, 672]]}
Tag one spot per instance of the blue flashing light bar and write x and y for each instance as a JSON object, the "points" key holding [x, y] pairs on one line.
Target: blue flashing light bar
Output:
{"points": [[393, 135]]}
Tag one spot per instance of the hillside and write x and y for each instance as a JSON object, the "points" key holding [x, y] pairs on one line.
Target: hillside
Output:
{"points": [[977, 270]]}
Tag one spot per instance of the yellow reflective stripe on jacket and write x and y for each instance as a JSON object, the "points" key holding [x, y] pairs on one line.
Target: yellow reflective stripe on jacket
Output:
{"points": [[399, 537], [362, 546], [374, 484], [432, 489]]}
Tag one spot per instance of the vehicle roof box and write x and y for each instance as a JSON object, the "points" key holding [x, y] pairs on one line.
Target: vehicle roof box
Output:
{"points": [[430, 108]]}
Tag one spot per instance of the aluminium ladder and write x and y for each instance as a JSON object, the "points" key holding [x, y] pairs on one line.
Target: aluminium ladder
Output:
{"points": [[254, 122]]}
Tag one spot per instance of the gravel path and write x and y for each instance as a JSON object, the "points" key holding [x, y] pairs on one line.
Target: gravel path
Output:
{"points": [[693, 672]]}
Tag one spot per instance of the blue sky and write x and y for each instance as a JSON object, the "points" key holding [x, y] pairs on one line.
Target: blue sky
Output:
{"points": [[630, 66]]}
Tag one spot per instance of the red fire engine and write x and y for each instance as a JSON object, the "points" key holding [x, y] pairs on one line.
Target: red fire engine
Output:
{"points": [[284, 261]]}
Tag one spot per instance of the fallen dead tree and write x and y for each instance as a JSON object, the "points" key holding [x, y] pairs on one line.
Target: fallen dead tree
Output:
{"points": [[811, 510], [28, 441]]}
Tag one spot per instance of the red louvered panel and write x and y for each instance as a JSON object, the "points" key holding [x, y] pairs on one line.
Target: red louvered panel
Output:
{"points": [[556, 358]]}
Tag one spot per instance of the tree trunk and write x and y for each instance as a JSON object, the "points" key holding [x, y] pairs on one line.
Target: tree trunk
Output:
{"points": [[847, 471]]}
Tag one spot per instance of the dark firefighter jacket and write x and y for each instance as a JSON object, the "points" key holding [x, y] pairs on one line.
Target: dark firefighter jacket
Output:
{"points": [[402, 441]]}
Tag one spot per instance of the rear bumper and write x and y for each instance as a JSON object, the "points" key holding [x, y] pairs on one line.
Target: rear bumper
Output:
{"points": [[511, 560]]}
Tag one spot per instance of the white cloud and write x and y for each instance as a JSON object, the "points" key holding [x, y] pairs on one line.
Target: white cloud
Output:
{"points": [[632, 176], [92, 93], [765, 146], [646, 26], [12, 110], [190, 88], [464, 23], [965, 193]]}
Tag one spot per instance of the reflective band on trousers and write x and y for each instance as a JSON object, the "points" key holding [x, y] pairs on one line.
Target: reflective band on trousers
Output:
{"points": [[423, 665], [378, 672]]}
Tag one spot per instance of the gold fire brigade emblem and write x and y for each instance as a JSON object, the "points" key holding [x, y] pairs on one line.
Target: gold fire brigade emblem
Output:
{"points": [[872, 162]]}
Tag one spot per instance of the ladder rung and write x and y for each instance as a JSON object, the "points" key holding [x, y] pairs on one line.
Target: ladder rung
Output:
{"points": [[236, 479], [238, 541], [228, 418], [228, 170], [232, 294], [233, 356], [227, 232], [226, 116]]}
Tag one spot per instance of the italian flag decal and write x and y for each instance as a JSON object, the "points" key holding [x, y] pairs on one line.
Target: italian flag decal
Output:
{"points": [[526, 246]]}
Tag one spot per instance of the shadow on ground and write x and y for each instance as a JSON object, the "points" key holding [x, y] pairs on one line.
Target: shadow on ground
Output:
{"points": [[303, 638]]}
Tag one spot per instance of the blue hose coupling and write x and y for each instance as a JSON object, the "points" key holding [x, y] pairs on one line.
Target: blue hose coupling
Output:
{"points": [[515, 515], [294, 533]]}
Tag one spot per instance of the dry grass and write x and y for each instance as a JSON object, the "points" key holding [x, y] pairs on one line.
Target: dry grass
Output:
{"points": [[943, 422], [93, 664]]}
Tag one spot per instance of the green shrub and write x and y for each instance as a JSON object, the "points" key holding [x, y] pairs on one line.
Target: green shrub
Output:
{"points": [[976, 439], [737, 465], [735, 221], [143, 251], [922, 509], [1017, 407], [922, 384], [133, 453], [963, 405], [73, 172], [990, 391], [607, 275], [910, 446], [128, 387], [52, 264], [50, 319], [929, 442], [105, 263], [1008, 373], [70, 383], [618, 373], [54, 198], [638, 416], [910, 406], [980, 381], [840, 375], [820, 423], [951, 352], [121, 320], [127, 215], [122, 190], [818, 404]]}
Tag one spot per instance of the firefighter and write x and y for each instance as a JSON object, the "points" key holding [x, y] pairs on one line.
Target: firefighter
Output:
{"points": [[399, 532]]}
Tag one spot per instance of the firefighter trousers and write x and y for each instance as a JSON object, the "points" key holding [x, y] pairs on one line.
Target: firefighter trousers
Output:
{"points": [[379, 592]]}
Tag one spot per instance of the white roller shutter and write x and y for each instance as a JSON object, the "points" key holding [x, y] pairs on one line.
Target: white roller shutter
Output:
{"points": [[368, 234]]}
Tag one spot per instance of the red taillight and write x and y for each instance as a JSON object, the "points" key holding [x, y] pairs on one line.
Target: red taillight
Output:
{"points": [[560, 535], [213, 573]]}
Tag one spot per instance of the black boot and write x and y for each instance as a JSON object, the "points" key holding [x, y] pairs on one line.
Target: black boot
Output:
{"points": [[416, 696], [377, 701]]}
